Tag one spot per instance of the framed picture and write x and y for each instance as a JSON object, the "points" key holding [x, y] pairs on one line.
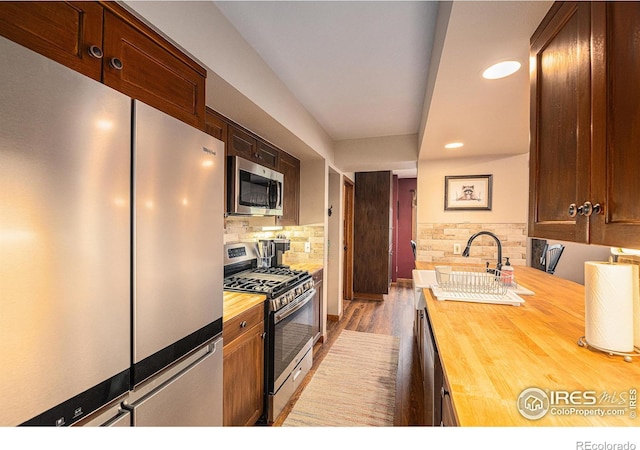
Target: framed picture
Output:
{"points": [[467, 192]]}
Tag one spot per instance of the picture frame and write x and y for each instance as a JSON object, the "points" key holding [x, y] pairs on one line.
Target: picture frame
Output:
{"points": [[468, 192]]}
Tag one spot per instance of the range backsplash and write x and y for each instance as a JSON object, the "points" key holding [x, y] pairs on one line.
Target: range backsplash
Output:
{"points": [[243, 229]]}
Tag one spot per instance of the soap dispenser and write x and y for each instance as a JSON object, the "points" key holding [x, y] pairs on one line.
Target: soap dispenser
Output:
{"points": [[506, 274]]}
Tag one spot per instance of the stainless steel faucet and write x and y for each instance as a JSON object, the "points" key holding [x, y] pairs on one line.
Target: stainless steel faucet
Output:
{"points": [[465, 253]]}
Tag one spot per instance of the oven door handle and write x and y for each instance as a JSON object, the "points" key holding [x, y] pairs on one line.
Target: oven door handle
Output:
{"points": [[287, 311]]}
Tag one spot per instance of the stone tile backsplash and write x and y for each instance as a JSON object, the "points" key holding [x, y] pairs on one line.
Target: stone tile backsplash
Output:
{"points": [[243, 229], [435, 242]]}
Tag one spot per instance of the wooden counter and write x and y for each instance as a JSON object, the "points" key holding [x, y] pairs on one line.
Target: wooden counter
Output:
{"points": [[491, 353], [235, 303], [309, 267]]}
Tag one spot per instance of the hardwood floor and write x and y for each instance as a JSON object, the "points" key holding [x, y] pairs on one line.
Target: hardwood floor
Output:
{"points": [[393, 316]]}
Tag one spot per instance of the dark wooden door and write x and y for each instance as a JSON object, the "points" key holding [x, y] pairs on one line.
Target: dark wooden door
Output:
{"points": [[560, 123], [372, 234], [62, 31], [616, 124], [290, 168]]}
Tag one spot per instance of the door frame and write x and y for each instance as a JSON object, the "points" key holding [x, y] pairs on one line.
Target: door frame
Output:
{"points": [[347, 279]]}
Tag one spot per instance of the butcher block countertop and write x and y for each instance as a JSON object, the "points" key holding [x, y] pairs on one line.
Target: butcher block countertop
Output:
{"points": [[309, 267], [235, 303], [491, 353]]}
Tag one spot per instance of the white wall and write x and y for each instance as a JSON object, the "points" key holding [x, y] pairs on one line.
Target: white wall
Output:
{"points": [[239, 73], [510, 189], [313, 192], [333, 272], [571, 264], [362, 155]]}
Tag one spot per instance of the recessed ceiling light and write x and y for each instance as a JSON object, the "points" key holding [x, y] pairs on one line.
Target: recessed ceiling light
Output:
{"points": [[454, 145], [501, 70]]}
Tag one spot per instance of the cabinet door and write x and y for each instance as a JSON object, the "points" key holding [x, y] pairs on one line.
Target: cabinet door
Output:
{"points": [[243, 375], [241, 144], [62, 31], [290, 168], [267, 155], [448, 413], [152, 70], [616, 123], [215, 126], [560, 123]]}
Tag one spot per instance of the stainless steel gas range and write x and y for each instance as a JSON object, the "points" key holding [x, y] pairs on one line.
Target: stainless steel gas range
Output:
{"points": [[288, 320]]}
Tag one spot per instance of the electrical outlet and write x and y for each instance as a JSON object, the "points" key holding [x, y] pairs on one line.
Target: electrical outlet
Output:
{"points": [[307, 247], [456, 249]]}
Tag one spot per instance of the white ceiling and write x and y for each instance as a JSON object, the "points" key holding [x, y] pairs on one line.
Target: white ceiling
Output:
{"points": [[358, 67], [362, 68]]}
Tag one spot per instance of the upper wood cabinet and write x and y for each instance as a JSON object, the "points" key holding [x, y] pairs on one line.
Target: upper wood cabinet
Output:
{"points": [[247, 146], [616, 121], [142, 65], [585, 108], [107, 43], [62, 31], [560, 122], [215, 125], [290, 168]]}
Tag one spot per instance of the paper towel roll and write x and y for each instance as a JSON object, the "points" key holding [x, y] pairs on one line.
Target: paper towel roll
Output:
{"points": [[611, 292]]}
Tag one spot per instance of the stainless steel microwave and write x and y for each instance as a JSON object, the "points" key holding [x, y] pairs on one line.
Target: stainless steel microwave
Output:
{"points": [[253, 189]]}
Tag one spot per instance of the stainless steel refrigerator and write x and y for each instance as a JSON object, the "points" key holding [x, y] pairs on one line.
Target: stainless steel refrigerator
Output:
{"points": [[110, 235], [177, 286]]}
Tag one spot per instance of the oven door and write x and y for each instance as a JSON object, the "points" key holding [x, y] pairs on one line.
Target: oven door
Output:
{"points": [[253, 189], [291, 330]]}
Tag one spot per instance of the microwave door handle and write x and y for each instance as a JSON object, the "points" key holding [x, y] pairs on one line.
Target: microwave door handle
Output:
{"points": [[279, 193]]}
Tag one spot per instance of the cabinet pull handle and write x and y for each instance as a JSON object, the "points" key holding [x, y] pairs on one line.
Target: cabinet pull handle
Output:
{"points": [[598, 209], [587, 209], [243, 324], [573, 210], [263, 335], [116, 63], [95, 51]]}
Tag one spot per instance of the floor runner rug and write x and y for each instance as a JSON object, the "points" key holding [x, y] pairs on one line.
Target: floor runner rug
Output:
{"points": [[355, 385]]}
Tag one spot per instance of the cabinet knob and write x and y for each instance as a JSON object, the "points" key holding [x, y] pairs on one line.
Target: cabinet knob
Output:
{"points": [[573, 210], [116, 63], [243, 324], [587, 209], [95, 51], [597, 209]]}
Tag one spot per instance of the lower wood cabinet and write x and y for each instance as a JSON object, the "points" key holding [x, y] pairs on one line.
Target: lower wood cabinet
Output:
{"points": [[448, 413], [438, 407], [243, 367]]}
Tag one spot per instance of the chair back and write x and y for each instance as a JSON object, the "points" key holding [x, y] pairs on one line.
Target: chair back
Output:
{"points": [[550, 256]]}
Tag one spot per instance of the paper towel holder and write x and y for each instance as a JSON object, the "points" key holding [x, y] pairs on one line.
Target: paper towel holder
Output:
{"points": [[627, 357]]}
